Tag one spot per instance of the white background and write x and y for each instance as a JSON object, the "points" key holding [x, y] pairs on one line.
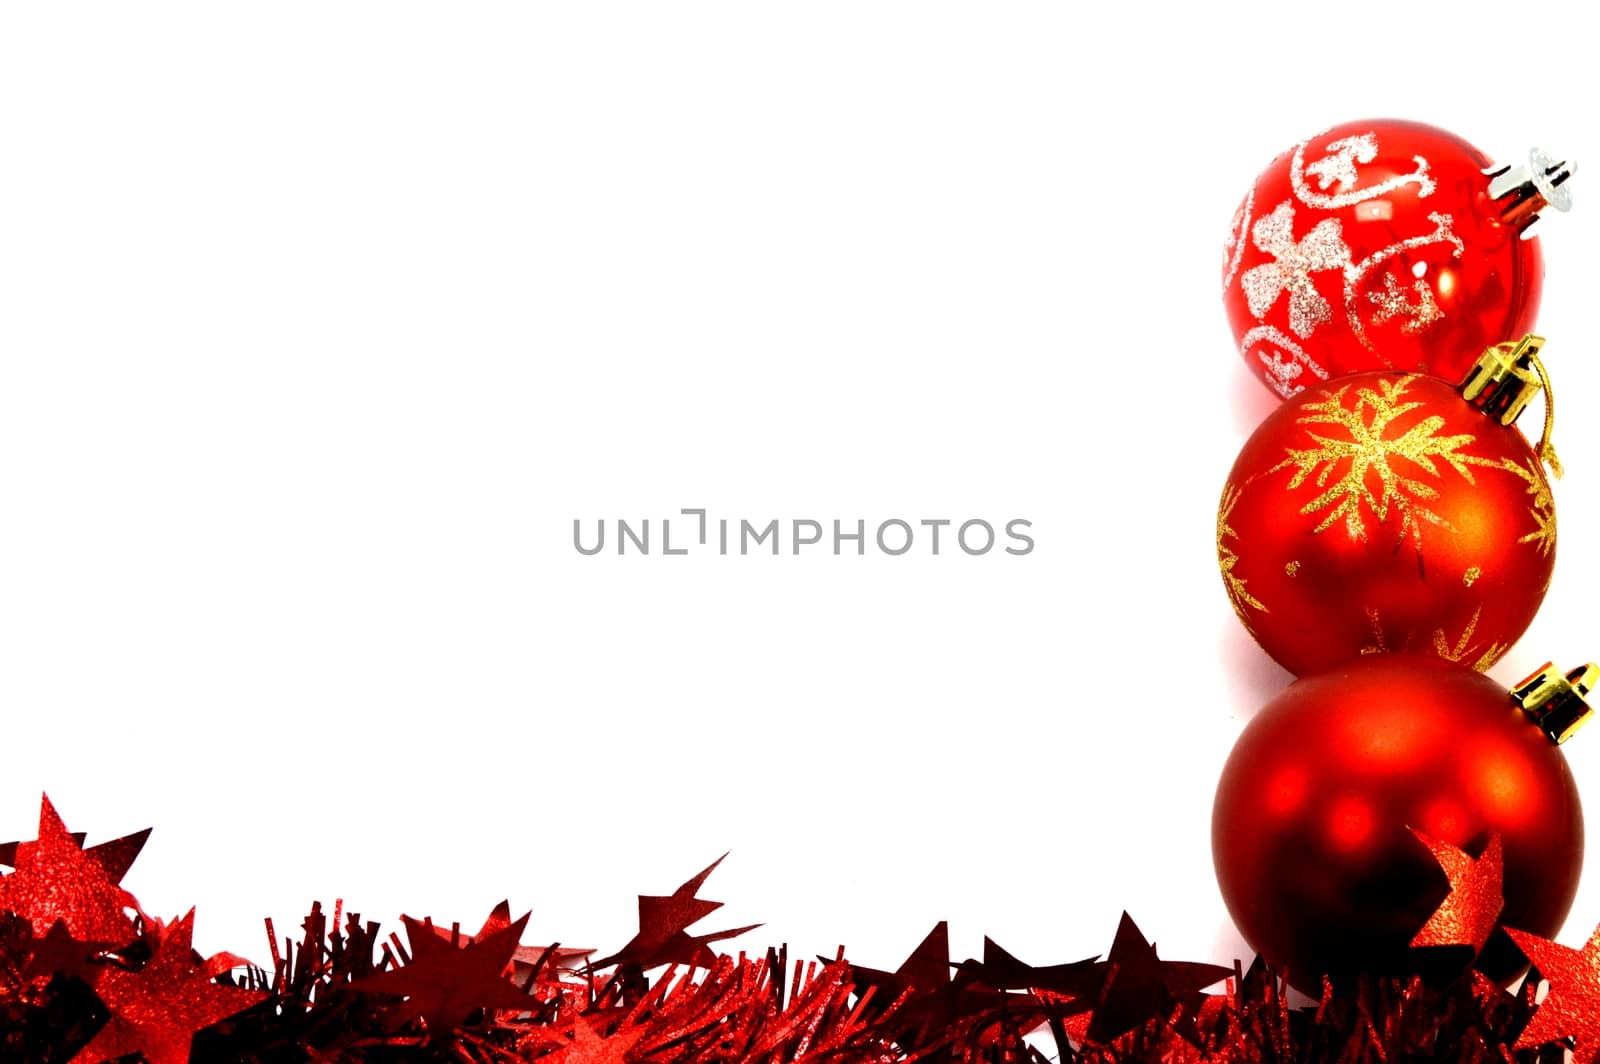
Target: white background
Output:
{"points": [[320, 323]]}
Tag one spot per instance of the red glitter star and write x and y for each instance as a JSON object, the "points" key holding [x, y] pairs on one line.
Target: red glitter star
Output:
{"points": [[932, 1007], [1003, 971], [535, 968], [58, 953], [1572, 1007], [589, 1047], [115, 856], [526, 957], [56, 879], [156, 1010], [1135, 985], [663, 938], [1468, 913], [445, 983]]}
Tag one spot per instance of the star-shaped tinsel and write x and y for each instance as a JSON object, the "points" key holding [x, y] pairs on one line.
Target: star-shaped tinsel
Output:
{"points": [[56, 879], [1003, 971], [447, 980], [58, 953], [990, 1003], [589, 1047], [156, 1009], [145, 993], [663, 937], [927, 970], [1468, 913], [115, 856], [535, 969], [1572, 1007], [1136, 986], [528, 962]]}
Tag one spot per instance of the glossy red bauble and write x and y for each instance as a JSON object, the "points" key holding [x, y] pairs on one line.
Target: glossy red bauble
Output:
{"points": [[1311, 831], [1376, 245], [1383, 512]]}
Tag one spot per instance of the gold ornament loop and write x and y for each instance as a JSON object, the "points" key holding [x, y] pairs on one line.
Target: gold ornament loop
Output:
{"points": [[1504, 381], [1546, 450]]}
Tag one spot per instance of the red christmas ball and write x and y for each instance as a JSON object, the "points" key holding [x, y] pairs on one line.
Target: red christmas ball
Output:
{"points": [[1383, 245], [1385, 512], [1312, 829]]}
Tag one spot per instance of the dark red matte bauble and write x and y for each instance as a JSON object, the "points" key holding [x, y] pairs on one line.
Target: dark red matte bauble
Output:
{"points": [[1311, 828], [1376, 245], [1383, 512]]}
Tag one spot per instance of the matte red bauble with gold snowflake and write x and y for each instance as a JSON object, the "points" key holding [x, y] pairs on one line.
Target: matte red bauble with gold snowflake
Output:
{"points": [[1386, 512], [1375, 812], [1384, 244]]}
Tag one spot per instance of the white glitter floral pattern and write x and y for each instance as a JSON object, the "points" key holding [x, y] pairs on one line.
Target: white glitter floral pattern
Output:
{"points": [[1443, 233], [1238, 231], [1395, 301], [1295, 261], [1285, 362], [1338, 167]]}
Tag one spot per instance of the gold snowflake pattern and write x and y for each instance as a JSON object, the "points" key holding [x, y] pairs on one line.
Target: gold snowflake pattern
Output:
{"points": [[1367, 450], [1542, 508], [1464, 647], [1459, 652], [1238, 594], [1377, 646]]}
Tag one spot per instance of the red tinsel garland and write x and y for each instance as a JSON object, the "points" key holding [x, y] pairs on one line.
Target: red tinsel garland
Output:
{"points": [[86, 977]]}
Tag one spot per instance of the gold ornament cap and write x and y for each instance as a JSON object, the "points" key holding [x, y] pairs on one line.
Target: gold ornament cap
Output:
{"points": [[1523, 191], [1504, 381], [1558, 703]]}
